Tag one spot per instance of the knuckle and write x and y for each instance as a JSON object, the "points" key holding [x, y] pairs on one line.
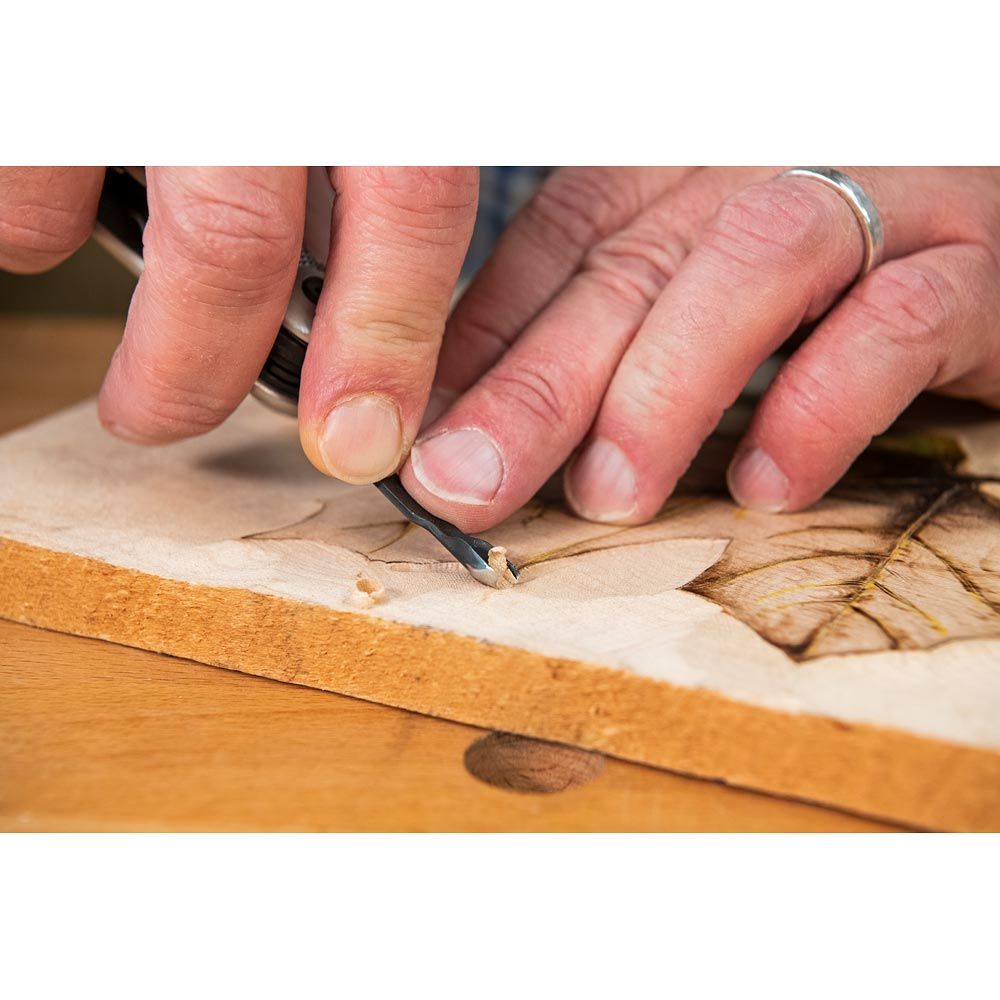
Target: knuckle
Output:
{"points": [[908, 304], [36, 237], [577, 208], [774, 223], [426, 204], [636, 264], [646, 397], [407, 186], [531, 389], [654, 395], [807, 404], [472, 332], [396, 328], [251, 239]]}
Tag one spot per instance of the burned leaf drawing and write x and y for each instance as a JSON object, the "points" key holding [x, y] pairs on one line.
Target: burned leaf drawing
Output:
{"points": [[861, 575], [903, 554], [900, 556]]}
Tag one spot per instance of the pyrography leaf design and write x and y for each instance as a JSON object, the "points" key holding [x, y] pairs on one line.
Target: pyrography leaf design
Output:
{"points": [[903, 555]]}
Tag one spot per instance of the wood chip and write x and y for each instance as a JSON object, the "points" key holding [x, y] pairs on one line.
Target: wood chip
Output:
{"points": [[497, 558], [367, 592]]}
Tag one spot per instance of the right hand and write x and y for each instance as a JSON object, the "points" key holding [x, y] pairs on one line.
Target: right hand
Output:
{"points": [[221, 250]]}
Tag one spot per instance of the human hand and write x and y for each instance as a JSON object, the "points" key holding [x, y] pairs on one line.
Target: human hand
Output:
{"points": [[221, 250], [628, 307]]}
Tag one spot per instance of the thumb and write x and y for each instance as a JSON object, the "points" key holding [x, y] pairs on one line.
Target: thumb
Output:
{"points": [[400, 235]]}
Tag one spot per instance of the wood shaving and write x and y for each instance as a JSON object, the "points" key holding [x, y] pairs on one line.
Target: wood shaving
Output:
{"points": [[367, 592], [497, 558]]}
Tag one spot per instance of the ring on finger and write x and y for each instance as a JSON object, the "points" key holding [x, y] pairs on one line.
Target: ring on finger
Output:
{"points": [[860, 204]]}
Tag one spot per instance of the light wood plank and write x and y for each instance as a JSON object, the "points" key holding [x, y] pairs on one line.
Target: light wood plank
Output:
{"points": [[91, 769]]}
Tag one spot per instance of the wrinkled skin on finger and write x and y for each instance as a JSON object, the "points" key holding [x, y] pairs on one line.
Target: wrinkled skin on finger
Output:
{"points": [[652, 325], [621, 312], [398, 239], [221, 250], [46, 214]]}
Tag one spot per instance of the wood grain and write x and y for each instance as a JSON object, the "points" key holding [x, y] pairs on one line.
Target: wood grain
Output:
{"points": [[95, 736], [103, 737]]}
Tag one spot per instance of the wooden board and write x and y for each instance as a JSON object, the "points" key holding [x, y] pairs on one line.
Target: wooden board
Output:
{"points": [[98, 736], [103, 737], [231, 550]]}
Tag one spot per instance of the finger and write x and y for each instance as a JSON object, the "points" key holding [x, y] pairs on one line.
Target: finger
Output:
{"points": [[545, 244], [921, 321], [775, 255], [46, 214], [506, 436], [500, 442], [399, 237], [221, 250]]}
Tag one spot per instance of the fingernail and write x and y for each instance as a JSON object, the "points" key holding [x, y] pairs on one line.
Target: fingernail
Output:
{"points": [[362, 439], [756, 482], [601, 483], [463, 466]]}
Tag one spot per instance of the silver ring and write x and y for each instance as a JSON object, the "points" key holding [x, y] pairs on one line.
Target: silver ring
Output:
{"points": [[861, 205]]}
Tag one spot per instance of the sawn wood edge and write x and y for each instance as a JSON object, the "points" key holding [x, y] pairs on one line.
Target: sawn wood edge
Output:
{"points": [[867, 769]]}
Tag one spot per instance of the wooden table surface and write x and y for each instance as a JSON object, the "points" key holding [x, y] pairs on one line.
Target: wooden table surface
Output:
{"points": [[95, 736]]}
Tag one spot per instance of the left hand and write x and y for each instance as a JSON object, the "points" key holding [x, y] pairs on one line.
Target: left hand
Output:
{"points": [[626, 308]]}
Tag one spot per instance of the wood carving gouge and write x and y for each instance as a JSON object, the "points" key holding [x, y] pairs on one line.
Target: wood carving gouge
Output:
{"points": [[121, 218], [473, 553]]}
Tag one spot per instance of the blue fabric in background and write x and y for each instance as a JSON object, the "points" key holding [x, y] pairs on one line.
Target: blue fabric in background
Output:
{"points": [[502, 191]]}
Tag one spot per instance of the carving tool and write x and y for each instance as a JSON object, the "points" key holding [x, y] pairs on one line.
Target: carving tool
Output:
{"points": [[121, 218], [473, 553]]}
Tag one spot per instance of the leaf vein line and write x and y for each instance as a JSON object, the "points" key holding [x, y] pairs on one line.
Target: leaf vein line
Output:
{"points": [[865, 585]]}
